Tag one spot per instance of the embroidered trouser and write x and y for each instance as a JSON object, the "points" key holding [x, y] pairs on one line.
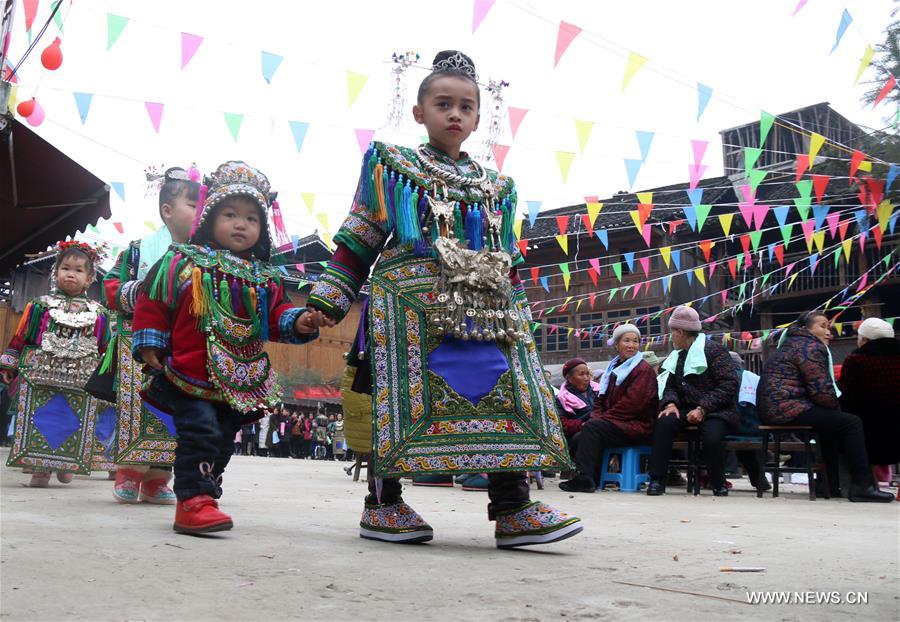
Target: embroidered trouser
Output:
{"points": [[205, 433], [506, 491]]}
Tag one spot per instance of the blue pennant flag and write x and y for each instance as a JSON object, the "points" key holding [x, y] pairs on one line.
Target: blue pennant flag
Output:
{"points": [[633, 167], [534, 207], [83, 101], [704, 93], [298, 129], [629, 259], [603, 236], [781, 214], [270, 64], [676, 259]]}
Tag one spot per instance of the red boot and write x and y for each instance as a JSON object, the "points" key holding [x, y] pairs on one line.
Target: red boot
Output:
{"points": [[200, 514]]}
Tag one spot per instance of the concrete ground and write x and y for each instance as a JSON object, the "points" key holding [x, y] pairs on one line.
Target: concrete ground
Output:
{"points": [[71, 553]]}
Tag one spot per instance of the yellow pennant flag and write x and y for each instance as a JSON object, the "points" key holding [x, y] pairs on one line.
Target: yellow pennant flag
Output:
{"points": [[563, 243], [725, 221], [567, 301], [864, 62], [645, 197], [355, 84], [594, 211], [636, 217], [578, 304], [866, 166], [815, 143], [632, 66], [698, 272], [791, 281], [839, 328], [666, 252], [885, 209], [570, 331], [517, 228], [323, 220], [564, 159], [583, 129], [819, 240], [847, 245], [13, 92], [310, 199], [151, 225]]}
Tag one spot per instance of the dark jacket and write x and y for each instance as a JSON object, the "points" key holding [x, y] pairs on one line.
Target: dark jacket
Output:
{"points": [[715, 390], [632, 406], [795, 378], [870, 388]]}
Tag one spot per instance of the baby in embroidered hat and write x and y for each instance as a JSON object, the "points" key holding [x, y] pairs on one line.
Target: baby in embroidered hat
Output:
{"points": [[202, 316]]}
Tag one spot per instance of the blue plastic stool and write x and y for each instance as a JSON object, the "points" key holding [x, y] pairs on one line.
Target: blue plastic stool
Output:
{"points": [[630, 476]]}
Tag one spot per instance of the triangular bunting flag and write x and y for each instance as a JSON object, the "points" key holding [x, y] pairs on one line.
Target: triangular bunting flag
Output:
{"points": [[355, 84], [234, 120], [583, 129], [189, 45], [704, 93], [633, 65], [115, 24], [563, 241], [298, 131], [155, 110], [564, 159], [83, 102], [516, 115], [270, 64]]}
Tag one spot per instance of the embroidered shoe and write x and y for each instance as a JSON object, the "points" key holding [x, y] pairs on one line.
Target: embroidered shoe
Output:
{"points": [[157, 491], [200, 514], [40, 479], [64, 477], [394, 522], [534, 523], [125, 490]]}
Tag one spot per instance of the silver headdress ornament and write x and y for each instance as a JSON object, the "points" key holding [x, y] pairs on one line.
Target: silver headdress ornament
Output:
{"points": [[456, 63], [402, 62], [495, 88], [158, 175]]}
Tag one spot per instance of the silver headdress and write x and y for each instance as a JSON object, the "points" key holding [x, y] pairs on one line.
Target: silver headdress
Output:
{"points": [[456, 63]]}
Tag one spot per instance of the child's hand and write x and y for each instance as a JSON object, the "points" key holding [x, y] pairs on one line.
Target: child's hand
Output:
{"points": [[152, 357], [310, 321]]}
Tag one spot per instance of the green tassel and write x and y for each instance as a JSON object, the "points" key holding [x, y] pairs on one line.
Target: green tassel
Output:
{"points": [[459, 231], [123, 269], [225, 294], [506, 228], [34, 325], [371, 199], [106, 363], [160, 282]]}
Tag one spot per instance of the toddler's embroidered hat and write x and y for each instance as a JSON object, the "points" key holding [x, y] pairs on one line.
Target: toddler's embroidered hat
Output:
{"points": [[685, 318]]}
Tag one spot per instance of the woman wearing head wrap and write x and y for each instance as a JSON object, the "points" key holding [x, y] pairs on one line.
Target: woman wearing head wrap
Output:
{"points": [[575, 397], [623, 412]]}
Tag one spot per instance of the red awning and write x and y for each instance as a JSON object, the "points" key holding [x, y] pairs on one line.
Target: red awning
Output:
{"points": [[44, 194], [316, 393]]}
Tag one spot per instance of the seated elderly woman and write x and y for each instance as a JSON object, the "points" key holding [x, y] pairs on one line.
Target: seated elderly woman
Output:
{"points": [[623, 412], [697, 387], [575, 397], [870, 388], [797, 388]]}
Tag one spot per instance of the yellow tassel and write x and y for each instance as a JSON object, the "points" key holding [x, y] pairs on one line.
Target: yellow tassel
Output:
{"points": [[253, 302], [22, 319], [198, 302], [379, 193]]}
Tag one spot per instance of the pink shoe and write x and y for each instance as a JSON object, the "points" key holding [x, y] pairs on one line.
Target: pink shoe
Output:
{"points": [[64, 477], [155, 488], [125, 490], [41, 479]]}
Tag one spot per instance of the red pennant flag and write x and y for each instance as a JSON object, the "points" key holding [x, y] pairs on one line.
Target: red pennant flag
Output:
{"points": [[586, 219], [887, 88], [565, 36], [592, 199], [876, 190], [591, 298], [500, 152], [119, 228], [645, 265], [877, 233], [30, 7], [593, 274], [516, 115], [864, 197], [674, 224], [855, 160], [535, 273], [842, 229], [802, 165], [745, 243], [523, 247], [563, 223], [706, 247], [732, 268], [820, 184], [644, 210], [779, 254], [646, 287]]}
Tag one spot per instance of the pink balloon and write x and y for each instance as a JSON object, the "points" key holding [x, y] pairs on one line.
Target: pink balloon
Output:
{"points": [[36, 117]]}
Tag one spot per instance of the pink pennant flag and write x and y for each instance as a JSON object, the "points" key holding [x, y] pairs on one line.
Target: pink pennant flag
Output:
{"points": [[699, 149], [500, 152], [565, 36], [364, 139], [119, 228], [759, 215], [712, 267], [479, 11], [189, 45], [748, 192], [646, 232], [863, 235], [809, 227], [724, 294], [696, 172], [516, 116], [645, 265], [595, 264], [863, 281], [155, 111], [300, 268], [799, 6], [833, 221], [789, 269], [747, 212]]}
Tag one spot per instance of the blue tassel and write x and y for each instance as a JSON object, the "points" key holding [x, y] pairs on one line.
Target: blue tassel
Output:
{"points": [[422, 249], [474, 227], [391, 197], [407, 218], [262, 299]]}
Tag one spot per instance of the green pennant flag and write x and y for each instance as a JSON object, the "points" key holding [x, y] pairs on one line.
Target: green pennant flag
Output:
{"points": [[115, 24], [786, 231], [804, 187], [765, 124], [802, 204], [617, 268], [57, 16], [612, 294], [551, 310], [837, 256], [765, 278], [741, 290], [890, 320], [765, 334], [535, 326], [702, 212], [234, 120], [756, 178], [755, 237], [751, 155], [739, 260]]}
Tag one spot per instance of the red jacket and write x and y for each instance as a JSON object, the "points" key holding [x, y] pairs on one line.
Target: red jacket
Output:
{"points": [[632, 406]]}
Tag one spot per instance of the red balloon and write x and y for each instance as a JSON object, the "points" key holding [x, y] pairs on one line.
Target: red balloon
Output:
{"points": [[51, 57], [25, 108]]}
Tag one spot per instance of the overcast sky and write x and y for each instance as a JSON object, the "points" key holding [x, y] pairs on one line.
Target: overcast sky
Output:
{"points": [[753, 53]]}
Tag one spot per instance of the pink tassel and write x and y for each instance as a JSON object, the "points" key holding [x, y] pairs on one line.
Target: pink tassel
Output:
{"points": [[44, 322], [281, 237], [201, 207]]}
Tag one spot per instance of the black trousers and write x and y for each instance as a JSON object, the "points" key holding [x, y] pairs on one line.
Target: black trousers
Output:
{"points": [[839, 433], [205, 433], [712, 440], [596, 436], [506, 491]]}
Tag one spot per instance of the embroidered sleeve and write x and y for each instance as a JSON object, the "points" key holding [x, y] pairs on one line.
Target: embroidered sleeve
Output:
{"points": [[339, 284], [120, 291], [28, 332], [282, 318]]}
